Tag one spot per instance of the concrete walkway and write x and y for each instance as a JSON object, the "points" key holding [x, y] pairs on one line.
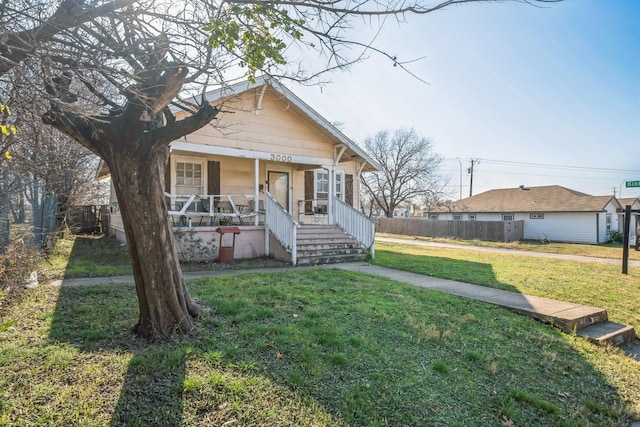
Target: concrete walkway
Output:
{"points": [[519, 252]]}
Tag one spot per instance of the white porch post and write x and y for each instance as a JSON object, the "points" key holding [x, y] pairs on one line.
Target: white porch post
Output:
{"points": [[338, 152], [332, 194], [256, 189], [359, 167]]}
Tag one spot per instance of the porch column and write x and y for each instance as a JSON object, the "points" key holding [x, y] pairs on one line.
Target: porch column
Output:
{"points": [[256, 190], [332, 194], [359, 167]]}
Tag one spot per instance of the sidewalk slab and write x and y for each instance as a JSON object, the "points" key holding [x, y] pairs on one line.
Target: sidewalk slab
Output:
{"points": [[517, 252], [565, 315]]}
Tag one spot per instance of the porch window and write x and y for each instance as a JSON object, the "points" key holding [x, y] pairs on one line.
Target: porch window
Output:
{"points": [[189, 178], [339, 186], [322, 185]]}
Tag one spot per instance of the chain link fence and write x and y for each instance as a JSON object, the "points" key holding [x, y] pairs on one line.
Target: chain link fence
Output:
{"points": [[27, 224]]}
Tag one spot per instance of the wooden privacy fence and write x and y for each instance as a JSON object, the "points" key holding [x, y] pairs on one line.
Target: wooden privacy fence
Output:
{"points": [[493, 231], [89, 219]]}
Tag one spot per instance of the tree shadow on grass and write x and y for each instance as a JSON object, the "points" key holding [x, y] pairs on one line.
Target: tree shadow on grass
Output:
{"points": [[334, 348], [98, 319], [148, 384], [377, 352]]}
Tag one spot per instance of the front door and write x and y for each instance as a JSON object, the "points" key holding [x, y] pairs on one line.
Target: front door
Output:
{"points": [[278, 186]]}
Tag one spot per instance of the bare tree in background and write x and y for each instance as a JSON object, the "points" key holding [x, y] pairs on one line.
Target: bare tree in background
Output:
{"points": [[131, 60], [42, 156], [408, 171]]}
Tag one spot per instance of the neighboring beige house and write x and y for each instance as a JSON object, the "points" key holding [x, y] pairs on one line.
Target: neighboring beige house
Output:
{"points": [[559, 213], [268, 164]]}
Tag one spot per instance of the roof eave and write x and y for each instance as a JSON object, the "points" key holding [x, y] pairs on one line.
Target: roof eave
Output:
{"points": [[244, 86]]}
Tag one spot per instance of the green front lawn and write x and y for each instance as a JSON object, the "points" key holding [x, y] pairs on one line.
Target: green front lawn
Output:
{"points": [[320, 347], [596, 284], [309, 347]]}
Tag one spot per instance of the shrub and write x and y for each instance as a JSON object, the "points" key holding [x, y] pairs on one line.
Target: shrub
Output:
{"points": [[191, 247], [616, 236]]}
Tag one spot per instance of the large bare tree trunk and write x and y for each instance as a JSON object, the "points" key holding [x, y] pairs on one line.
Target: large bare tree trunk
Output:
{"points": [[165, 304], [136, 152]]}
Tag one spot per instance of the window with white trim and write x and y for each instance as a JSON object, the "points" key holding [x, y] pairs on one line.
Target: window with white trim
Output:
{"points": [[340, 185], [536, 216], [433, 216], [322, 185], [457, 217], [472, 217], [189, 177], [507, 217]]}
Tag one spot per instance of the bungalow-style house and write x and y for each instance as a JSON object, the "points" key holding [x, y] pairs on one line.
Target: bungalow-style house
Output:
{"points": [[552, 212], [272, 167]]}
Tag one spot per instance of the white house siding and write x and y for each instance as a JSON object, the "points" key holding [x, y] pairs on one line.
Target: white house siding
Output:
{"points": [[634, 223], [489, 216], [602, 225], [571, 227], [115, 219]]}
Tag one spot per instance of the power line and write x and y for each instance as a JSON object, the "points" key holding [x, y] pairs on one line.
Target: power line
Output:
{"points": [[552, 166]]}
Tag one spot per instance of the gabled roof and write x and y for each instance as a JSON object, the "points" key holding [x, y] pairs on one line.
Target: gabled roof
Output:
{"points": [[238, 88], [631, 201], [226, 92], [552, 198]]}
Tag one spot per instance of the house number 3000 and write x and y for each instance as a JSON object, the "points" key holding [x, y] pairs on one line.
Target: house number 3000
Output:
{"points": [[281, 158]]}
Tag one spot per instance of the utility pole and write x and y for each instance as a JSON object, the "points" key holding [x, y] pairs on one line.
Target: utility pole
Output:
{"points": [[470, 172], [460, 182]]}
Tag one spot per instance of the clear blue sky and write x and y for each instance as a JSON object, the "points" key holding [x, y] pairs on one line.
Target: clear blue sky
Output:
{"points": [[509, 84]]}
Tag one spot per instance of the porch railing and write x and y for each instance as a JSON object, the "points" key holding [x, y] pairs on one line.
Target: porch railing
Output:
{"points": [[217, 207], [356, 224], [279, 222]]}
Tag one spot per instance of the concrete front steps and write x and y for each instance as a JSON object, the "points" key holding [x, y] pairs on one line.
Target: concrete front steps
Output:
{"points": [[326, 244], [588, 322]]}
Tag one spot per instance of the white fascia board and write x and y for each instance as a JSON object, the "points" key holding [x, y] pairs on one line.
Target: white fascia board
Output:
{"points": [[304, 107], [244, 86], [249, 154]]}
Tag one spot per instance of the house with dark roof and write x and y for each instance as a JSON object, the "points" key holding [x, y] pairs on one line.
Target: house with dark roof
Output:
{"points": [[555, 212]]}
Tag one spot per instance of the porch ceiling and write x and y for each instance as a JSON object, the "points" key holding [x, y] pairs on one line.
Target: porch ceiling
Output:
{"points": [[300, 162]]}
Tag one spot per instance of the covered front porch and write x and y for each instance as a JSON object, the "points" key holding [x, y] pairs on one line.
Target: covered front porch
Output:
{"points": [[268, 201]]}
